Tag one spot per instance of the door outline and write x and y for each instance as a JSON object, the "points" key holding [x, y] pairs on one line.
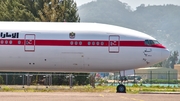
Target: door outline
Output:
{"points": [[29, 43], [114, 47]]}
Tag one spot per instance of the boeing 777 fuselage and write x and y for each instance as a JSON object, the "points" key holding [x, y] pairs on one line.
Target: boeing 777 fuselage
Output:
{"points": [[75, 47]]}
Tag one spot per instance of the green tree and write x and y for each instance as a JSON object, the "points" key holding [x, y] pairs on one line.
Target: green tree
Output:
{"points": [[39, 10], [1, 80], [59, 11], [158, 65], [172, 60], [12, 10], [33, 6], [81, 78]]}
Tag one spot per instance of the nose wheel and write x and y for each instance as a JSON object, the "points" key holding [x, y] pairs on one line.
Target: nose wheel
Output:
{"points": [[121, 88]]}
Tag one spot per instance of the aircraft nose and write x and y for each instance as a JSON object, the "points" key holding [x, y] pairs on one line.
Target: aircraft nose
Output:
{"points": [[165, 53]]}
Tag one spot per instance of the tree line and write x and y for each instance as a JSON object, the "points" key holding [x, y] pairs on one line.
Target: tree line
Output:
{"points": [[39, 10]]}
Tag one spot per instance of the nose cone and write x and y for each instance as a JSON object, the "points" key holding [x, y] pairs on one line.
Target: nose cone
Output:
{"points": [[165, 54]]}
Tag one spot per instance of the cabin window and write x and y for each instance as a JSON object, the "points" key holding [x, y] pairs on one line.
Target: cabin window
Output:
{"points": [[6, 42], [71, 42], [2, 42], [89, 43], [80, 43], [93, 43], [19, 42], [10, 42], [97, 43], [102, 43], [76, 43]]}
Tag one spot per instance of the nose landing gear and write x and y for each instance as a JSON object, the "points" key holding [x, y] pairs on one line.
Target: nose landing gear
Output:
{"points": [[121, 88]]}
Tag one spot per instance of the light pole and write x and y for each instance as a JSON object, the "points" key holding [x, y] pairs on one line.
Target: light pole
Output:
{"points": [[46, 81], [70, 80], [22, 76], [28, 79]]}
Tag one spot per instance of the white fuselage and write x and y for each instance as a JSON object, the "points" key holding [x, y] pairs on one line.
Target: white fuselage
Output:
{"points": [[74, 47]]}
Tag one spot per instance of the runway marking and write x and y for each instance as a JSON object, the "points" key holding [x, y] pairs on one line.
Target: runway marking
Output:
{"points": [[101, 95], [131, 99], [124, 97], [136, 99]]}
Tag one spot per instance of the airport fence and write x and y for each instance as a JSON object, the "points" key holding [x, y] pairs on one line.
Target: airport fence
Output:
{"points": [[46, 79], [160, 79], [60, 79], [149, 79]]}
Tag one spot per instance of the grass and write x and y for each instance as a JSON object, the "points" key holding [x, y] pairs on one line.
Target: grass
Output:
{"points": [[106, 89]]}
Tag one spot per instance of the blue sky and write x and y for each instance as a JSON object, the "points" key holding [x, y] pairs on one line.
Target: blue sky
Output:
{"points": [[135, 3]]}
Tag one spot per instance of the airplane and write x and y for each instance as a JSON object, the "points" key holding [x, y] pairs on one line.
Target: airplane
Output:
{"points": [[76, 47]]}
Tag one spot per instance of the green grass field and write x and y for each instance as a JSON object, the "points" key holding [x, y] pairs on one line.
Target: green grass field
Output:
{"points": [[106, 89]]}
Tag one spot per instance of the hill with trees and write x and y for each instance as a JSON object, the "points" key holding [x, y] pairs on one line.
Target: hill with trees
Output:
{"points": [[161, 22]]}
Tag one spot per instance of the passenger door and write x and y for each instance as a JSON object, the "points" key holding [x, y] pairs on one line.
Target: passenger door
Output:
{"points": [[29, 43], [114, 43]]}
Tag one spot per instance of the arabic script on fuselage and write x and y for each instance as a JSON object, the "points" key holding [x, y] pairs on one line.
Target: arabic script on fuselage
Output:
{"points": [[9, 35]]}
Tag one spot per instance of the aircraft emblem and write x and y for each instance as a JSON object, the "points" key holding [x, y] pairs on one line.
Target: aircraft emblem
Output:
{"points": [[72, 35]]}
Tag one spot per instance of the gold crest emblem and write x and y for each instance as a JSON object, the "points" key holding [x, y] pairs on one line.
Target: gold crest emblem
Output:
{"points": [[72, 35]]}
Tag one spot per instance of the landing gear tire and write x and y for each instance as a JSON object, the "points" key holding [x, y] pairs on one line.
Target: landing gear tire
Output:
{"points": [[121, 88]]}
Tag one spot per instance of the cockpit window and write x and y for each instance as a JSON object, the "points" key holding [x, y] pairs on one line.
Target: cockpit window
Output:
{"points": [[156, 42], [147, 42], [151, 42]]}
